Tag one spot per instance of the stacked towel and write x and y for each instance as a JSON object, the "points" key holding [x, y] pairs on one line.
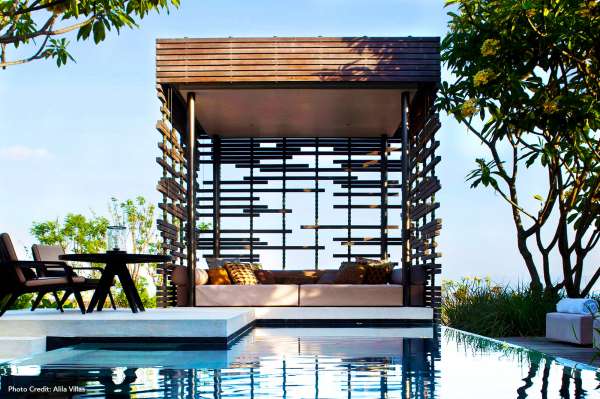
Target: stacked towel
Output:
{"points": [[577, 306]]}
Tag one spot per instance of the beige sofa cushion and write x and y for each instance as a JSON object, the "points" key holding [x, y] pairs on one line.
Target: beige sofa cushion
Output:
{"points": [[350, 295], [247, 295]]}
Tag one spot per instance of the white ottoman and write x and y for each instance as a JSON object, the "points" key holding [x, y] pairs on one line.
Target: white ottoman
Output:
{"points": [[569, 327]]}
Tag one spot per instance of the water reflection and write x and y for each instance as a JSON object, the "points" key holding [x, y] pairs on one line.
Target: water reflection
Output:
{"points": [[308, 363]]}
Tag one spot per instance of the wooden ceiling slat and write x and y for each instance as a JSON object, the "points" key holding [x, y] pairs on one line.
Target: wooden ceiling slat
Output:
{"points": [[298, 73], [296, 39], [297, 78], [314, 67], [369, 52], [313, 56], [296, 61]]}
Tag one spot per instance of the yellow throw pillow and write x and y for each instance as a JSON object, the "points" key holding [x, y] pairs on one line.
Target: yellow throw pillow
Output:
{"points": [[218, 276], [241, 273]]}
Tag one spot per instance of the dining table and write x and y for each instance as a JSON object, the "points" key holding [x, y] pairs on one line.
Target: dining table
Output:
{"points": [[116, 266]]}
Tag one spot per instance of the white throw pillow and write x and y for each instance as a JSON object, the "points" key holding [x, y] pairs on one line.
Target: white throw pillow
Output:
{"points": [[201, 277]]}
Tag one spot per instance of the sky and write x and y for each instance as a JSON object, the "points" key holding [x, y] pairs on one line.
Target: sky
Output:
{"points": [[73, 137]]}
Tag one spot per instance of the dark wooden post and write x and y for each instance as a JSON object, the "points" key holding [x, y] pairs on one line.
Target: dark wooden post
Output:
{"points": [[191, 196], [406, 250], [216, 196], [384, 197]]}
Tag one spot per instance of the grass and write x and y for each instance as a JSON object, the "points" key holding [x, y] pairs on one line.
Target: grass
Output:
{"points": [[478, 306]]}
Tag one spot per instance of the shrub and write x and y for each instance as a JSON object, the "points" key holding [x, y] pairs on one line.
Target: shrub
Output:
{"points": [[478, 306], [149, 301]]}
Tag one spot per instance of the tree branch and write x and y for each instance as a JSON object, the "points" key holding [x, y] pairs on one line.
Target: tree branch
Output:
{"points": [[36, 56]]}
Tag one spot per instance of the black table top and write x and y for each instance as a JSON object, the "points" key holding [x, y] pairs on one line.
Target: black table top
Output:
{"points": [[116, 256]]}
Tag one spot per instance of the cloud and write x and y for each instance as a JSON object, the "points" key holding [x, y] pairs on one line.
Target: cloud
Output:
{"points": [[23, 153]]}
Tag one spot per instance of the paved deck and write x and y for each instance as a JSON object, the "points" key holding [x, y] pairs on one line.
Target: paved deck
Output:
{"points": [[575, 353]]}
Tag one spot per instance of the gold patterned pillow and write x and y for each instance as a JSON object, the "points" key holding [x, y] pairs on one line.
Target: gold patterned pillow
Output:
{"points": [[241, 273], [377, 271]]}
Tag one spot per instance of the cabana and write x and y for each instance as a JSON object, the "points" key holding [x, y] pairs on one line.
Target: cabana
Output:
{"points": [[348, 124]]}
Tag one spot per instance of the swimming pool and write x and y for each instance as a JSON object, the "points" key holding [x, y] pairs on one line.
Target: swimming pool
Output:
{"points": [[306, 363]]}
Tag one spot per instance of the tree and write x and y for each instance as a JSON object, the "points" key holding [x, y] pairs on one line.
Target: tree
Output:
{"points": [[138, 216], [24, 21], [528, 80], [76, 234]]}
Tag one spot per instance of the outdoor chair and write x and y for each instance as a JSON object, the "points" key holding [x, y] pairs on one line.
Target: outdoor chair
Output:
{"points": [[19, 277], [51, 253]]}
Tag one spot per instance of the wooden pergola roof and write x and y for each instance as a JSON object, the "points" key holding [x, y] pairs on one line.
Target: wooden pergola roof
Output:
{"points": [[302, 60]]}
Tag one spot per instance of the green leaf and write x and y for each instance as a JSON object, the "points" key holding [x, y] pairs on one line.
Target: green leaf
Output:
{"points": [[99, 33]]}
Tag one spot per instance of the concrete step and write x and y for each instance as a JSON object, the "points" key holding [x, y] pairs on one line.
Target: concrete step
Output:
{"points": [[17, 347]]}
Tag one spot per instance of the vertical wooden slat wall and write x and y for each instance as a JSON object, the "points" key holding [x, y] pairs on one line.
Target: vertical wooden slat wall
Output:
{"points": [[424, 184], [171, 224]]}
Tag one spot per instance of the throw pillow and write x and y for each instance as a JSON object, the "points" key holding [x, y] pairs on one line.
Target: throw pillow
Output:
{"points": [[396, 277], [328, 277], [201, 277], [264, 276], [350, 275], [377, 271], [241, 274], [218, 276], [378, 274], [214, 263], [254, 266]]}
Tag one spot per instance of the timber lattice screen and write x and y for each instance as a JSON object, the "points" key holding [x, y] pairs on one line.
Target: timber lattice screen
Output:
{"points": [[342, 169], [424, 184], [172, 186]]}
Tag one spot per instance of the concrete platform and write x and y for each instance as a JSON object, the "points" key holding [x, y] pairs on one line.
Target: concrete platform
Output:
{"points": [[15, 347], [214, 327], [171, 322]]}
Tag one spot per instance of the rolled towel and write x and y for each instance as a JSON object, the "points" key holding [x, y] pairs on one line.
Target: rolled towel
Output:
{"points": [[577, 306]]}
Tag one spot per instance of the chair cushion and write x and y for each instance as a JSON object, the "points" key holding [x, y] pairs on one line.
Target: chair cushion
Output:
{"points": [[7, 250], [47, 253], [351, 274], [8, 254], [241, 273], [51, 281], [218, 276]]}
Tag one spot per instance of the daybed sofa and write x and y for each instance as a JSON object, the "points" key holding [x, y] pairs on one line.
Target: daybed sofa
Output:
{"points": [[301, 288]]}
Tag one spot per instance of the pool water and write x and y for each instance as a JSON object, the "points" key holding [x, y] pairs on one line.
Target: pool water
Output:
{"points": [[323, 363]]}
